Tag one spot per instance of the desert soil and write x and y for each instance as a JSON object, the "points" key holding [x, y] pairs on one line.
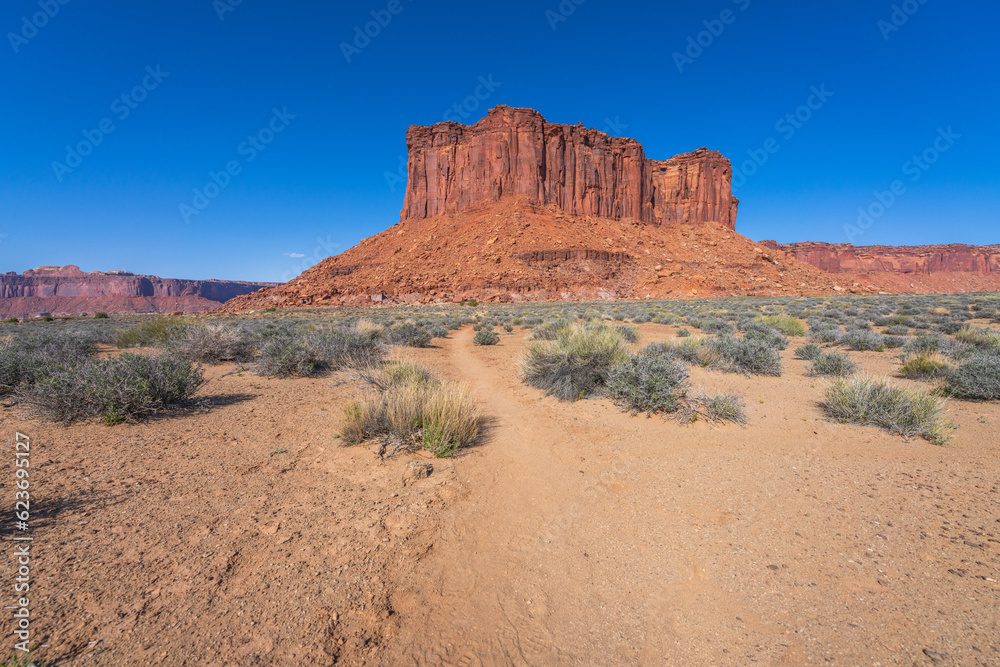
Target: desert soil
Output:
{"points": [[246, 533]]}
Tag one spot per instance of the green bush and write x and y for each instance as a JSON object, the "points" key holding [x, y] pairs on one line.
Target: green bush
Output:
{"points": [[100, 316], [868, 401], [576, 364], [485, 337], [926, 365], [12, 320], [407, 405], [985, 339], [786, 324], [977, 377], [153, 332], [116, 389], [808, 352], [832, 363], [648, 382]]}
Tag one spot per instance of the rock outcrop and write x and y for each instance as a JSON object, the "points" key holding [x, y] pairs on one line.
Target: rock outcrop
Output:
{"points": [[69, 291], [518, 251], [908, 260], [455, 168]]}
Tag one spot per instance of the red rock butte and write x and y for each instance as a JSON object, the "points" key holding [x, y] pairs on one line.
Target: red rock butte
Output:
{"points": [[516, 208], [455, 168]]}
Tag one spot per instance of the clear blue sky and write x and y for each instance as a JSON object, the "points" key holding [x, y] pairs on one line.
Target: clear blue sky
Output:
{"points": [[320, 185]]}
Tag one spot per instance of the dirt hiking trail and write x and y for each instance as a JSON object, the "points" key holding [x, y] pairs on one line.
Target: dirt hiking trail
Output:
{"points": [[588, 536]]}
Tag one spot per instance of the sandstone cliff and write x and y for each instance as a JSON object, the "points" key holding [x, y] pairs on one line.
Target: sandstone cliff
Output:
{"points": [[455, 168], [916, 260], [68, 290]]}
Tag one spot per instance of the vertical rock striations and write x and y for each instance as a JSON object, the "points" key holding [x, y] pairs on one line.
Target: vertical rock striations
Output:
{"points": [[455, 168]]}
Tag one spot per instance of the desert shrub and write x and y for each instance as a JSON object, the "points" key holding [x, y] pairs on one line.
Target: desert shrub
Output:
{"points": [[153, 332], [977, 377], [409, 335], [687, 350], [576, 364], [861, 340], [116, 389], [949, 326], [893, 342], [11, 320], [544, 332], [370, 328], [927, 365], [100, 316], [29, 357], [648, 382], [981, 338], [750, 356], [718, 327], [808, 352], [833, 363], [869, 401], [335, 348], [406, 404], [214, 343], [787, 325], [716, 408], [760, 331], [831, 334], [629, 334], [508, 328], [485, 337], [437, 331], [897, 330], [683, 333], [286, 357]]}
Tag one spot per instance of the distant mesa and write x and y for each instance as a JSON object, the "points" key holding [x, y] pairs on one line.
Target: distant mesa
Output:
{"points": [[66, 290]]}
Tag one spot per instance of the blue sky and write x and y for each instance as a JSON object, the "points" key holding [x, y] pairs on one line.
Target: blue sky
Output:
{"points": [[182, 85]]}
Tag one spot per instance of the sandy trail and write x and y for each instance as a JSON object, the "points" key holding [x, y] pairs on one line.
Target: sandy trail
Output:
{"points": [[591, 537]]}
